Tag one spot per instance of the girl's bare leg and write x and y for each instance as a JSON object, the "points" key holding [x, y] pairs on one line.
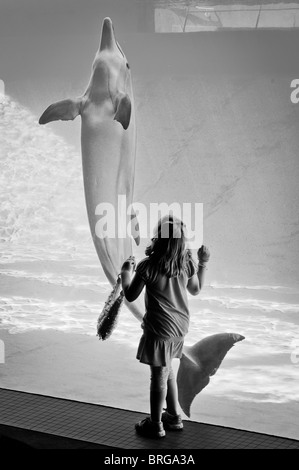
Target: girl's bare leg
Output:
{"points": [[158, 391], [172, 394]]}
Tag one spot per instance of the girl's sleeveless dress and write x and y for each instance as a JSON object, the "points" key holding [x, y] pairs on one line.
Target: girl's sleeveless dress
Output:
{"points": [[166, 320]]}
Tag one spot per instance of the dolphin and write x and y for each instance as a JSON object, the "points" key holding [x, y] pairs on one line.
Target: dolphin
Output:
{"points": [[199, 362], [108, 145]]}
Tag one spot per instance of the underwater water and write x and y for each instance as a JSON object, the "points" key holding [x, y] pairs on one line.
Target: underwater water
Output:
{"points": [[51, 277]]}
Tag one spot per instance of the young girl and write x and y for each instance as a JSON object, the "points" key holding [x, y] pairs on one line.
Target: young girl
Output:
{"points": [[168, 272]]}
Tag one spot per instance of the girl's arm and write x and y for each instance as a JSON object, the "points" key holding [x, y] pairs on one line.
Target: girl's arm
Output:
{"points": [[132, 288], [196, 282]]}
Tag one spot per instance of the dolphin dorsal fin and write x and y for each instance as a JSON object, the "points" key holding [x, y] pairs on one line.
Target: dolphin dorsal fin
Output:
{"points": [[65, 110], [123, 110]]}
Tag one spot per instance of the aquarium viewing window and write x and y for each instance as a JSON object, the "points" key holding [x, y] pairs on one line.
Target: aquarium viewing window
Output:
{"points": [[179, 17]]}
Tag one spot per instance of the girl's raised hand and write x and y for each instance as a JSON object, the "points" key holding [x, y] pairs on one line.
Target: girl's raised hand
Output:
{"points": [[203, 254], [129, 264]]}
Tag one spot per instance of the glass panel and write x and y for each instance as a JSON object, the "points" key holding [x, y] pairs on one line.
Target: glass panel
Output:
{"points": [[184, 16]]}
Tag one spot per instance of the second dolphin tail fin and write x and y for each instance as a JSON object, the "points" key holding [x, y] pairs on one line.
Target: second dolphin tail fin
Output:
{"points": [[199, 362], [65, 110]]}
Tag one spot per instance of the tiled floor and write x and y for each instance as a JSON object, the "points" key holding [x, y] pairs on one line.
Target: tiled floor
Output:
{"points": [[53, 422]]}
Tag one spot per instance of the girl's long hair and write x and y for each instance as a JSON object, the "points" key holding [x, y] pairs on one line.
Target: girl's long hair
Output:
{"points": [[167, 252]]}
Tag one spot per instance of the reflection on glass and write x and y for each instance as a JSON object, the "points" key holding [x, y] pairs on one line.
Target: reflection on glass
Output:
{"points": [[188, 16]]}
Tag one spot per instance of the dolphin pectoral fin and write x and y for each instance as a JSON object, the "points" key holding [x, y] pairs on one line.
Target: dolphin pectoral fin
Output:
{"points": [[123, 110], [200, 362], [65, 110], [135, 231]]}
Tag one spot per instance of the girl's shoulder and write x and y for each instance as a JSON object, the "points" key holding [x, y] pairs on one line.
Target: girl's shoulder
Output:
{"points": [[142, 269]]}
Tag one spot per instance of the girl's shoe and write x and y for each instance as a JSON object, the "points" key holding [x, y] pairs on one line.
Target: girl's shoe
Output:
{"points": [[171, 422], [148, 428]]}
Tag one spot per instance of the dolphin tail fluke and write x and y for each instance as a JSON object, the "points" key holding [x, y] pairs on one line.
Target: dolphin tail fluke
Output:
{"points": [[65, 110], [199, 362], [190, 381], [123, 110]]}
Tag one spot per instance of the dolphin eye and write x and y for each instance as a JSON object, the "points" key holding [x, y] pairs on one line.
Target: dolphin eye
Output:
{"points": [[128, 67]]}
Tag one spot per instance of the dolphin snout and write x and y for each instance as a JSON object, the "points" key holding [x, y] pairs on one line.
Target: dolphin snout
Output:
{"points": [[108, 38], [107, 21]]}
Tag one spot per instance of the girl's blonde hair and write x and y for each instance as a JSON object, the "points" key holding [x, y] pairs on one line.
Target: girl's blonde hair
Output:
{"points": [[167, 251]]}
